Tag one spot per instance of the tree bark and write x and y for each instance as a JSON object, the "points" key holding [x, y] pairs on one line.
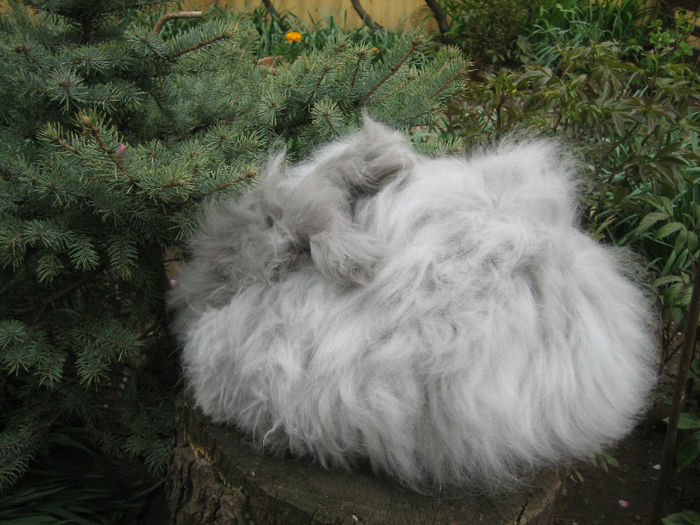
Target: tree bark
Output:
{"points": [[275, 15], [215, 477], [366, 19], [441, 19]]}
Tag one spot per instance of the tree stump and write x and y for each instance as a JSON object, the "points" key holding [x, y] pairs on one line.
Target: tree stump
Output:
{"points": [[216, 477]]}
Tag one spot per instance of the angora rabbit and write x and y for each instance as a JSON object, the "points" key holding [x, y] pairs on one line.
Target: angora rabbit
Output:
{"points": [[443, 319]]}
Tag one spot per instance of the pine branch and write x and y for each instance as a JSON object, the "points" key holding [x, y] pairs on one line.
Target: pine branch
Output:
{"points": [[361, 55], [59, 294], [392, 72], [54, 137], [249, 175], [399, 88], [28, 84], [201, 45], [144, 39], [96, 133], [324, 72], [24, 50], [107, 335], [82, 223], [56, 189], [449, 82], [17, 447], [417, 117], [328, 121], [153, 156]]}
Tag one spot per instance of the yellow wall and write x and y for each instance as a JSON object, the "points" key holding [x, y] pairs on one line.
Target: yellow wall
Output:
{"points": [[392, 14]]}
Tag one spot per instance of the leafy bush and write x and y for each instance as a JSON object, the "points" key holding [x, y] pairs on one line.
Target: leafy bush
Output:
{"points": [[636, 126], [510, 33], [576, 23], [617, 86], [490, 32]]}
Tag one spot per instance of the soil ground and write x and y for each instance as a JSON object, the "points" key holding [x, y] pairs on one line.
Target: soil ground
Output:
{"points": [[624, 495]]}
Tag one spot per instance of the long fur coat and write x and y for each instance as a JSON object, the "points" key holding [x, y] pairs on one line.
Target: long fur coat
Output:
{"points": [[443, 319]]}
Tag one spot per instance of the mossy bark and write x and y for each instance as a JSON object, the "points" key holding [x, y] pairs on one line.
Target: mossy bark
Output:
{"points": [[215, 477]]}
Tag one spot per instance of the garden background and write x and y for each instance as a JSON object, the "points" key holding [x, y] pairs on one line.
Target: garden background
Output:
{"points": [[112, 137]]}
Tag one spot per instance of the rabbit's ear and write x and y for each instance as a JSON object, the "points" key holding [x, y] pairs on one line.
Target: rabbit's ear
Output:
{"points": [[364, 162], [318, 203], [319, 213], [270, 197], [380, 152], [273, 173]]}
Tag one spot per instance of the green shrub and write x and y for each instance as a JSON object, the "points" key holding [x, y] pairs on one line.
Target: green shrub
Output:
{"points": [[509, 33], [636, 128], [111, 139], [578, 23], [319, 34], [490, 32], [73, 483]]}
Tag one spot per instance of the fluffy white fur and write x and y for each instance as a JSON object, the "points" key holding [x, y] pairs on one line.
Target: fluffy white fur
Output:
{"points": [[444, 319]]}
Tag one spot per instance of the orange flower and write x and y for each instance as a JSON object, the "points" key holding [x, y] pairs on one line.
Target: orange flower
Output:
{"points": [[293, 36]]}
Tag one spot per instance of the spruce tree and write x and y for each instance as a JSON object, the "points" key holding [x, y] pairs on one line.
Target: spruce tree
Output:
{"points": [[111, 138]]}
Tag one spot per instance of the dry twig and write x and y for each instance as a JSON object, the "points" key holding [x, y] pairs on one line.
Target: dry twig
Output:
{"points": [[366, 19], [175, 14]]}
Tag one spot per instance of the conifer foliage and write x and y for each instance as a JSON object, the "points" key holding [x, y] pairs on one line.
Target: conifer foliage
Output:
{"points": [[111, 138]]}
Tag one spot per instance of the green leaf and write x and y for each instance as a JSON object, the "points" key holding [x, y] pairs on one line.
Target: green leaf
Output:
{"points": [[688, 450], [619, 193], [661, 281], [688, 421], [604, 460], [649, 220], [668, 229], [688, 517], [692, 241]]}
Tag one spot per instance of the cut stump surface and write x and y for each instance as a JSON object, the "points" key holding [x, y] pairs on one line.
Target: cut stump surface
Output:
{"points": [[216, 477]]}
